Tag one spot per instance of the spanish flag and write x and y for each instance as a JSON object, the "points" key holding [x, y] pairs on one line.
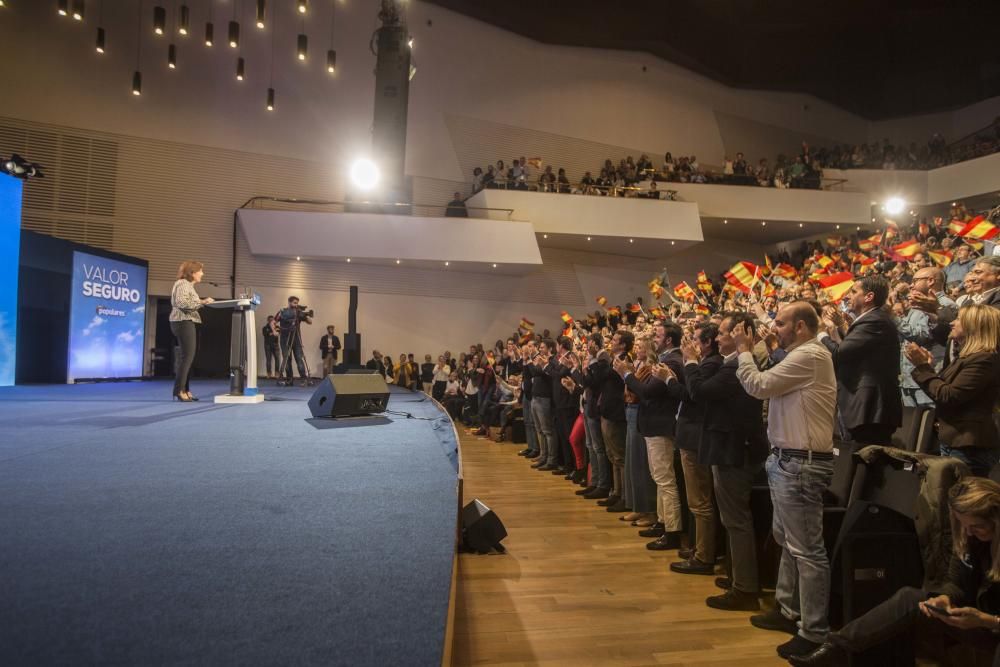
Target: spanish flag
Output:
{"points": [[941, 257], [891, 231], [785, 270], [837, 285], [535, 162], [870, 243], [657, 313], [614, 311], [602, 301], [956, 226], [769, 290], [657, 292], [768, 267], [702, 309], [743, 276], [526, 337], [906, 249], [566, 317], [635, 308], [834, 241], [653, 283], [684, 291], [527, 324], [704, 284], [823, 261], [979, 228], [568, 331]]}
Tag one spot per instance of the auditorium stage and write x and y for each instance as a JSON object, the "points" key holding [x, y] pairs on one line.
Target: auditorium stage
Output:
{"points": [[137, 530]]}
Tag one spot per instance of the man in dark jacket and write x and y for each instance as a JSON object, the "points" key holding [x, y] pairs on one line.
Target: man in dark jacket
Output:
{"points": [[541, 405], [866, 360], [734, 444], [611, 406]]}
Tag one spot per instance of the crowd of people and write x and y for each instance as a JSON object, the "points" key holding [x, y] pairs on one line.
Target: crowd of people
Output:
{"points": [[639, 178], [764, 372]]}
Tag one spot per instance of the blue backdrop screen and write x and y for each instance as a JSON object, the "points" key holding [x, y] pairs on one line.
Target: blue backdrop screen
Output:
{"points": [[10, 247], [107, 318]]}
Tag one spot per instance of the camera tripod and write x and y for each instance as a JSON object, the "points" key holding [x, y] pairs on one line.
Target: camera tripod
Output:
{"points": [[286, 358]]}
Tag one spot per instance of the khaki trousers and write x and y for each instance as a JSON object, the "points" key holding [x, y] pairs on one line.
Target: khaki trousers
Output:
{"points": [[660, 450], [698, 488]]}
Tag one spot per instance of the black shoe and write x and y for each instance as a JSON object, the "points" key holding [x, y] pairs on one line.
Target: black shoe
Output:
{"points": [[797, 646], [526, 452], [725, 583], [734, 600], [666, 542], [579, 477], [193, 397], [685, 553], [609, 501], [584, 491], [182, 399], [775, 620], [656, 530], [827, 655], [597, 494], [692, 566], [548, 467], [619, 507], [559, 471], [538, 464]]}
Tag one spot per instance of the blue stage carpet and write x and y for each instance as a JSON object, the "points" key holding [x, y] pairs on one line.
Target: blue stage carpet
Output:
{"points": [[136, 530]]}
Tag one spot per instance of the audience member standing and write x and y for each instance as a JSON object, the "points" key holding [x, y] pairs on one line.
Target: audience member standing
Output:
{"points": [[803, 393], [329, 346], [866, 359], [272, 354], [541, 405], [965, 391]]}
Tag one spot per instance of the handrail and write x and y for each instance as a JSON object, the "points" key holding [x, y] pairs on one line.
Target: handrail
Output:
{"points": [[326, 202]]}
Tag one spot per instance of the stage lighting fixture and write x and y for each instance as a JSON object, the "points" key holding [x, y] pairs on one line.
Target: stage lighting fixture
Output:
{"points": [[159, 20], [78, 9], [303, 6], [137, 83], [302, 47], [261, 9], [364, 174], [100, 40], [18, 167], [172, 57], [331, 61], [185, 20], [270, 99], [240, 69], [894, 205], [234, 34], [409, 42], [63, 7], [209, 34]]}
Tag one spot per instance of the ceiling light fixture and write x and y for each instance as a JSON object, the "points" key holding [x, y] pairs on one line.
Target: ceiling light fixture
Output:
{"points": [[261, 10], [302, 46], [78, 9], [159, 19], [184, 23], [240, 69]]}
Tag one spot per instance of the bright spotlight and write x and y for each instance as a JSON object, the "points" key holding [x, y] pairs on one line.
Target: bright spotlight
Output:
{"points": [[364, 174], [894, 205]]}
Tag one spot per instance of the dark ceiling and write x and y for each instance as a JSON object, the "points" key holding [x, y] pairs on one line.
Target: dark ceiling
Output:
{"points": [[877, 58]]}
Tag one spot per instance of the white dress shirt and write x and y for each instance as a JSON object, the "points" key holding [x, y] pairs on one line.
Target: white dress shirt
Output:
{"points": [[803, 393]]}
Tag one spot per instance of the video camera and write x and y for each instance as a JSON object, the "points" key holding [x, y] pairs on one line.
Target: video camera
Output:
{"points": [[305, 311]]}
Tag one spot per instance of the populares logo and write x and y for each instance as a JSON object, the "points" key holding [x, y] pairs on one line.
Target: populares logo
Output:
{"points": [[110, 312]]}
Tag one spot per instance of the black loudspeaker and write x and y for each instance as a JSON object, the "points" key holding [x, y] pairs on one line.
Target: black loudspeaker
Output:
{"points": [[347, 395], [482, 530]]}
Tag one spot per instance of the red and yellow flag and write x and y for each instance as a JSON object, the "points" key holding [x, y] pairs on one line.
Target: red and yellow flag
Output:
{"points": [[870, 243], [768, 267], [704, 284], [527, 324], [568, 331], [956, 226], [653, 283], [657, 291], [834, 241], [535, 162], [823, 261], [837, 285], [635, 308], [602, 301], [566, 317], [657, 313], [940, 257], [785, 270], [614, 311], [906, 249], [684, 291], [526, 337], [979, 228], [702, 309], [743, 276]]}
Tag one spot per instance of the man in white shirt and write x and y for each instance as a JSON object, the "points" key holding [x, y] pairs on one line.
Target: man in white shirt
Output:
{"points": [[803, 394]]}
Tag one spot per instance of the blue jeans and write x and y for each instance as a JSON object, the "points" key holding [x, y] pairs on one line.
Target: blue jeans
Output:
{"points": [[541, 412], [529, 426], [600, 467], [803, 588], [979, 459]]}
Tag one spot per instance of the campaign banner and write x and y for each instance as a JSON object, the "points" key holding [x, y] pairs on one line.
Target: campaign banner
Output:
{"points": [[107, 318], [10, 248]]}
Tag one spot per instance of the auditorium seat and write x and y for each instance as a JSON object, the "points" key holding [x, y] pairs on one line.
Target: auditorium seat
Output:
{"points": [[916, 433]]}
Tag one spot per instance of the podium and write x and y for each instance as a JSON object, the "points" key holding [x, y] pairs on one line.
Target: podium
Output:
{"points": [[242, 351]]}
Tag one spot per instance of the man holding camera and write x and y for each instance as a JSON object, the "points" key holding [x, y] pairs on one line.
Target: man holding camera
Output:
{"points": [[289, 320]]}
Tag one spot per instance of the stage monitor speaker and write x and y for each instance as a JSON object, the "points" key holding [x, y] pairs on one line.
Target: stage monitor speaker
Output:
{"points": [[349, 395], [482, 529]]}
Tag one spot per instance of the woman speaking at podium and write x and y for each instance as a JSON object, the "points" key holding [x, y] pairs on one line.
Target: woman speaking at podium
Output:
{"points": [[183, 319]]}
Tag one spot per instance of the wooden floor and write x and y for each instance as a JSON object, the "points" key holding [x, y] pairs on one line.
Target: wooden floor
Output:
{"points": [[578, 587]]}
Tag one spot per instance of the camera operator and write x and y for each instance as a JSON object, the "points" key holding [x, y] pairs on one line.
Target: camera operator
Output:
{"points": [[289, 321]]}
